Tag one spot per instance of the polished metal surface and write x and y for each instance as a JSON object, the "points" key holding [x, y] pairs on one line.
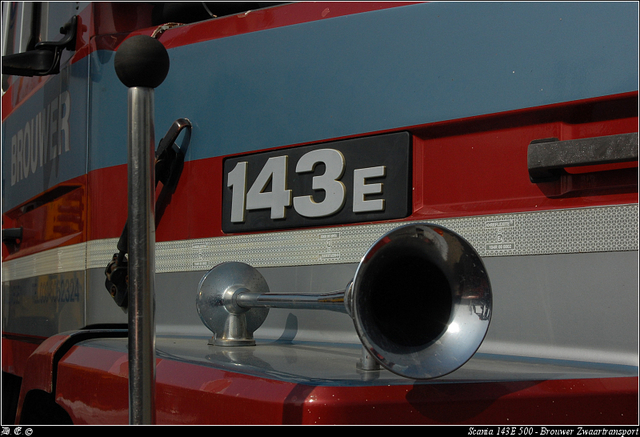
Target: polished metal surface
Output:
{"points": [[231, 325], [334, 301], [324, 364], [141, 146], [420, 302]]}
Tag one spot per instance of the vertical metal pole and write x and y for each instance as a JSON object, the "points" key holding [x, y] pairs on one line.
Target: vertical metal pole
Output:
{"points": [[142, 64], [141, 168]]}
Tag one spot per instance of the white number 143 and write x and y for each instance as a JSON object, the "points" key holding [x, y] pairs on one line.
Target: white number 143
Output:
{"points": [[280, 197]]}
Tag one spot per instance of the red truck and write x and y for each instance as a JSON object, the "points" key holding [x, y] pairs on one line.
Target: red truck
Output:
{"points": [[320, 213]]}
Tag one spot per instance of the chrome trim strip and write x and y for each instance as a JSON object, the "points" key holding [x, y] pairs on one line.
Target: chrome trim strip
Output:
{"points": [[58, 260], [580, 230]]}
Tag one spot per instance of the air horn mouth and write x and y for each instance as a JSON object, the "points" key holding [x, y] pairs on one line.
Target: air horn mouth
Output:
{"points": [[409, 302], [420, 301]]}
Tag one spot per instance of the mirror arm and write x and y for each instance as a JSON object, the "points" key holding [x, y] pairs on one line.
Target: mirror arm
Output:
{"points": [[44, 59]]}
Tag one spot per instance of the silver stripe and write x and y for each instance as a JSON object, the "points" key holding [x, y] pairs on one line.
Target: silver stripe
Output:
{"points": [[581, 230], [59, 260]]}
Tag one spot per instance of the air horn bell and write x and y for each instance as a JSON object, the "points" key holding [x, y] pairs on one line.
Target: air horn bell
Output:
{"points": [[420, 301]]}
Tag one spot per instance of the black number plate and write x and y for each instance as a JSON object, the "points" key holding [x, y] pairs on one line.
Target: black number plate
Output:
{"points": [[347, 181]]}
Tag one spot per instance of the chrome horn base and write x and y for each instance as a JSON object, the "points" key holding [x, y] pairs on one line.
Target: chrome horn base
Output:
{"points": [[231, 324]]}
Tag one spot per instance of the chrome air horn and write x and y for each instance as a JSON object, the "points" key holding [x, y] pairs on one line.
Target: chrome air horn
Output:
{"points": [[420, 301]]}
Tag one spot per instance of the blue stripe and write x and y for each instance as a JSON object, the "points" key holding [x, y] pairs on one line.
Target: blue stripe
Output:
{"points": [[375, 71], [64, 155], [396, 68]]}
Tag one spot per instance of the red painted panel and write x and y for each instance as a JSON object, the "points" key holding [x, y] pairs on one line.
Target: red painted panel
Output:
{"points": [[464, 167], [269, 18], [479, 165], [54, 218], [15, 351], [39, 368], [564, 401], [192, 213], [107, 202], [92, 387]]}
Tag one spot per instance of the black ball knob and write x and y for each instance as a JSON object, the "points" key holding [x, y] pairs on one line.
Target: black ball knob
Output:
{"points": [[141, 61]]}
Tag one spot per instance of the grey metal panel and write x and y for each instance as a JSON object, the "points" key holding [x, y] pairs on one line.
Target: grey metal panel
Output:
{"points": [[44, 305], [571, 307], [335, 365], [582, 307], [551, 300], [579, 307]]}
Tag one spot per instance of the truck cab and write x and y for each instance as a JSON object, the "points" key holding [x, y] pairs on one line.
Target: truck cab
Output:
{"points": [[364, 213]]}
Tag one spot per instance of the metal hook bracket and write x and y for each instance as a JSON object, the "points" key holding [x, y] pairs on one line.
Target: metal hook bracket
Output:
{"points": [[168, 168]]}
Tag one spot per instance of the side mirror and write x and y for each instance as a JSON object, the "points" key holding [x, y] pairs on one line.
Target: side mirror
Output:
{"points": [[44, 59]]}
